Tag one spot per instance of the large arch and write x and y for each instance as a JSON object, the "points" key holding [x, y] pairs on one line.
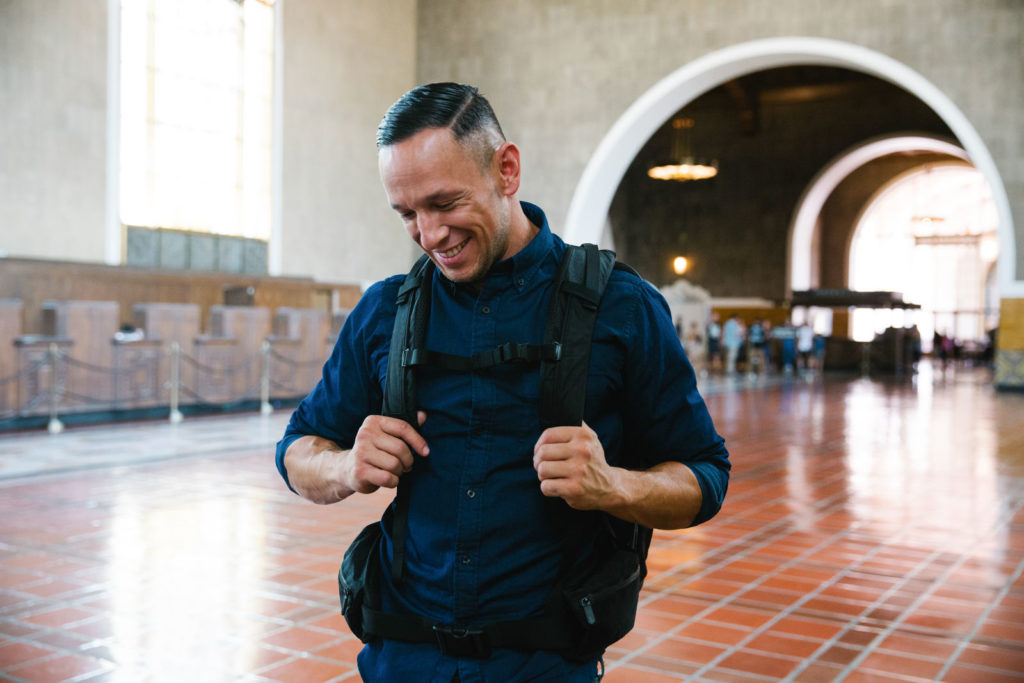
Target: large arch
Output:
{"points": [[804, 224], [593, 196]]}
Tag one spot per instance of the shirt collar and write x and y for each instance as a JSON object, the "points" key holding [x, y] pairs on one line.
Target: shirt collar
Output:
{"points": [[525, 263]]}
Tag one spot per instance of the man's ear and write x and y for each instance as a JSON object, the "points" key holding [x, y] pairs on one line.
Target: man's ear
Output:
{"points": [[506, 159]]}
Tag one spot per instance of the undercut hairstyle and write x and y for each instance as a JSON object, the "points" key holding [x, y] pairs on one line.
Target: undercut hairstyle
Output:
{"points": [[456, 106]]}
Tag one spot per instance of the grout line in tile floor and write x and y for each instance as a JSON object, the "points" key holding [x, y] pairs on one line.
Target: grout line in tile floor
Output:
{"points": [[850, 624], [784, 527], [739, 593], [868, 649], [967, 638]]}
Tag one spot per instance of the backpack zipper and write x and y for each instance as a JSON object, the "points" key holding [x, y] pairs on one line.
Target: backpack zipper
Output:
{"points": [[588, 610]]}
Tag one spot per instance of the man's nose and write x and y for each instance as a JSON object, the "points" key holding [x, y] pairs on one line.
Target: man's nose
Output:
{"points": [[433, 230]]}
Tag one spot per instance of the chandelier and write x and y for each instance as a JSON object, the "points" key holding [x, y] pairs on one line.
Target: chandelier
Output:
{"points": [[683, 166]]}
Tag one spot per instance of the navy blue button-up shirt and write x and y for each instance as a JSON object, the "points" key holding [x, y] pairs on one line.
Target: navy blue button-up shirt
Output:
{"points": [[483, 544]]}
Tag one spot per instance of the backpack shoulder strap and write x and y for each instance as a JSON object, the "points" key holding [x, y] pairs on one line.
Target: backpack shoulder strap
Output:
{"points": [[572, 312], [412, 304], [575, 297]]}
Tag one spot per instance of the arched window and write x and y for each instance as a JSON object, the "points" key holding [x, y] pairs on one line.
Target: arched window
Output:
{"points": [[930, 234]]}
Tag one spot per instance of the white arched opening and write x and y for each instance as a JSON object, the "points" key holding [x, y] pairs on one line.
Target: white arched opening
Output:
{"points": [[805, 218], [930, 234], [589, 206]]}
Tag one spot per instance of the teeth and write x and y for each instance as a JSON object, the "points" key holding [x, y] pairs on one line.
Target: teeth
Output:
{"points": [[454, 250]]}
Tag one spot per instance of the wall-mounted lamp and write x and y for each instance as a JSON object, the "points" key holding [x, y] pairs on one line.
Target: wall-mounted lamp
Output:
{"points": [[680, 264]]}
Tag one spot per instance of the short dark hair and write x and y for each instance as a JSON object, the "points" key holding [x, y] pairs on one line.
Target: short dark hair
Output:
{"points": [[456, 106]]}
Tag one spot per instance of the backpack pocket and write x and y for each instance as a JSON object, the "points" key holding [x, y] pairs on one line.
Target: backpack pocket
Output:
{"points": [[358, 577], [603, 604]]}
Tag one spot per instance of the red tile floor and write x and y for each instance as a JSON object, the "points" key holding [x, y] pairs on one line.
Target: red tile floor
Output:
{"points": [[873, 531]]}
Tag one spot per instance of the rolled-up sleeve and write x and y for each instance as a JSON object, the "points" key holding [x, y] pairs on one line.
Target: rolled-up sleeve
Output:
{"points": [[349, 387], [667, 419]]}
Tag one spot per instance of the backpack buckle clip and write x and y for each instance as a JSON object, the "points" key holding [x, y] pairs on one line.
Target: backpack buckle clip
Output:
{"points": [[462, 642]]}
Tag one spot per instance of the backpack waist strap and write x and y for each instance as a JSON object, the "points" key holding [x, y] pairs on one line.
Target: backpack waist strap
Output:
{"points": [[550, 632]]}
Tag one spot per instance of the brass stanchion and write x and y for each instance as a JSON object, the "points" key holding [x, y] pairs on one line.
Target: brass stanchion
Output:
{"points": [[265, 407], [175, 415], [55, 426]]}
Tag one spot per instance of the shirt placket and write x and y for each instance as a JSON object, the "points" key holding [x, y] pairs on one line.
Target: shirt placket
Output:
{"points": [[472, 491]]}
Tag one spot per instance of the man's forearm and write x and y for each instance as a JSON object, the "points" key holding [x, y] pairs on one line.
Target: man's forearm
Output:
{"points": [[666, 496], [314, 466]]}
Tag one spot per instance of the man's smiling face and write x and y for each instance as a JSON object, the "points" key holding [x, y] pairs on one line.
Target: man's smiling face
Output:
{"points": [[455, 205]]}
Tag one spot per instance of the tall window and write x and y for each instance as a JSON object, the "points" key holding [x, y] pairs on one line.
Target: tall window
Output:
{"points": [[196, 91], [932, 236]]}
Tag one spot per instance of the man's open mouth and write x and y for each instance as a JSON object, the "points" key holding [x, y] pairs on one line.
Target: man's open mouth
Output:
{"points": [[454, 251]]}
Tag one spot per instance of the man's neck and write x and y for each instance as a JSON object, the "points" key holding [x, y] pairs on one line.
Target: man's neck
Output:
{"points": [[522, 230]]}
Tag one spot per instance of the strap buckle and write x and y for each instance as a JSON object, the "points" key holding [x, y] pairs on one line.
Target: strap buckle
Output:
{"points": [[462, 642], [512, 351]]}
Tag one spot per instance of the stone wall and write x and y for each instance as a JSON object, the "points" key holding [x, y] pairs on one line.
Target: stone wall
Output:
{"points": [[53, 140], [560, 74], [345, 62]]}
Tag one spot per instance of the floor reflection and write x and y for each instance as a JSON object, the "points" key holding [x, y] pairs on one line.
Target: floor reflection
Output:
{"points": [[874, 530]]}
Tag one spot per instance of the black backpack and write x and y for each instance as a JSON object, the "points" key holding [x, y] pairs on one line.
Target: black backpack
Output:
{"points": [[589, 607]]}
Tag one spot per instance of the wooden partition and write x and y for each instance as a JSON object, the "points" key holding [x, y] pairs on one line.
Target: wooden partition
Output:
{"points": [[91, 326], [300, 345], [214, 368], [78, 310], [10, 329], [42, 377], [170, 324], [248, 327], [35, 281]]}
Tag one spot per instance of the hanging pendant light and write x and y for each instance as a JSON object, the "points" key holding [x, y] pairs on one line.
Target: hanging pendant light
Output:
{"points": [[683, 166]]}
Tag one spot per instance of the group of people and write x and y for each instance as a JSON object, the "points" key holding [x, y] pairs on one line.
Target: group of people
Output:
{"points": [[759, 347]]}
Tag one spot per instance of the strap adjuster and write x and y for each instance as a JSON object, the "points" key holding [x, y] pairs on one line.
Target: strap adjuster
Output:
{"points": [[462, 642], [512, 352]]}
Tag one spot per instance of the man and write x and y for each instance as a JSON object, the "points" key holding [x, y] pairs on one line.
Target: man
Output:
{"points": [[494, 501], [714, 334], [732, 340], [758, 347]]}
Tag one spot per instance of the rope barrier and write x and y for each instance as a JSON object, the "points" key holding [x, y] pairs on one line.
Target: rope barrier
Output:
{"points": [[248, 395], [61, 398], [297, 363], [281, 385], [75, 363], [31, 405], [244, 365], [85, 399], [115, 370], [24, 372]]}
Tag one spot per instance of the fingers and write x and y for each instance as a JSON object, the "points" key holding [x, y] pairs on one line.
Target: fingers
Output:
{"points": [[406, 432], [562, 443], [570, 464], [384, 449]]}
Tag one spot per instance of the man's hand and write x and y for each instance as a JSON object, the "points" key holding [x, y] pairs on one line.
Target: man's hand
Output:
{"points": [[570, 464], [382, 452], [384, 449]]}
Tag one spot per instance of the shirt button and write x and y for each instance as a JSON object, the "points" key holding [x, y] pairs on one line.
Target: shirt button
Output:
{"points": [[520, 282], [485, 310], [465, 559], [470, 493]]}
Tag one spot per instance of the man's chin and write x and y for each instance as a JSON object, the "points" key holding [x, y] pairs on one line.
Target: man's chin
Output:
{"points": [[460, 275]]}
